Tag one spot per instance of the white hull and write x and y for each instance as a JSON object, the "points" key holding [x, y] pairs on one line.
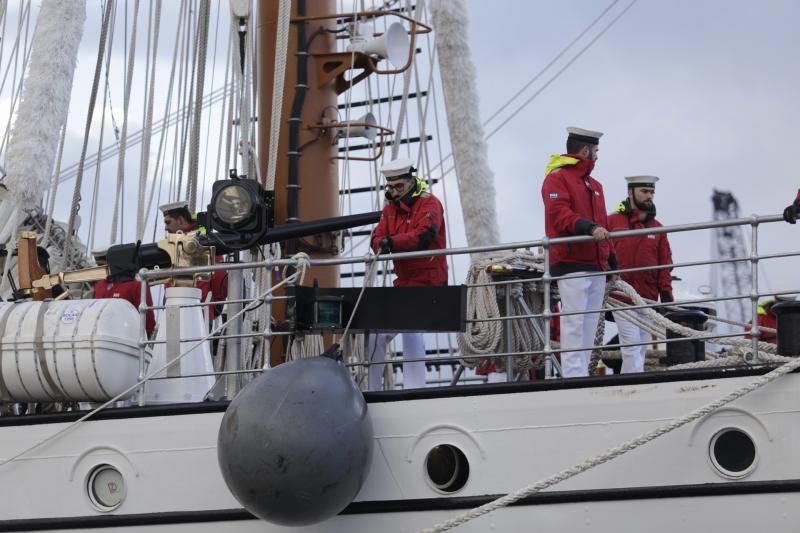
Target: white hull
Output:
{"points": [[734, 514], [511, 440]]}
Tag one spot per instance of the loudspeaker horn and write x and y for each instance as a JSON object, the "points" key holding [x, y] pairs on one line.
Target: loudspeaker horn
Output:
{"points": [[360, 130], [392, 45]]}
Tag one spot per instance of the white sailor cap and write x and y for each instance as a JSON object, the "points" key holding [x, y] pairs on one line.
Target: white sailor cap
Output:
{"points": [[398, 168], [587, 136], [174, 206], [641, 181], [100, 253]]}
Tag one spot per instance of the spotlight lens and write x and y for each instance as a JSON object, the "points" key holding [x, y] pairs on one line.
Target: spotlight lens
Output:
{"points": [[233, 204]]}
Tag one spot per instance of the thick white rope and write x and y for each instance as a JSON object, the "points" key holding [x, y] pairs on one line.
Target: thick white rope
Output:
{"points": [[553, 78], [616, 451], [34, 139], [475, 177], [278, 81], [483, 336], [303, 264], [631, 293]]}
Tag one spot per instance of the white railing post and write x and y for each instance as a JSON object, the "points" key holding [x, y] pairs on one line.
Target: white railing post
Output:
{"points": [[755, 332], [508, 328], [267, 339], [143, 288], [546, 281]]}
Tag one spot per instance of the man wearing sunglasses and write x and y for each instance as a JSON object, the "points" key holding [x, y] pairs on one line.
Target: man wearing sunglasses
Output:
{"points": [[412, 220]]}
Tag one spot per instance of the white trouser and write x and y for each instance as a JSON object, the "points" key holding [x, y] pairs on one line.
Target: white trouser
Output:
{"points": [[413, 348], [578, 331], [632, 356]]}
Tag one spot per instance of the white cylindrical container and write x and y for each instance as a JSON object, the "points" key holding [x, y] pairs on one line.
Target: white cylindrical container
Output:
{"points": [[198, 359], [73, 350]]}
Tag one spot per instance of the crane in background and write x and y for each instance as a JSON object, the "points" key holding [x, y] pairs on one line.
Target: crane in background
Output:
{"points": [[730, 278]]}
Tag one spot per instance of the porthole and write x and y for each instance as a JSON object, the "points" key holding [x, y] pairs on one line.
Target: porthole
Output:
{"points": [[447, 468], [105, 487], [733, 453]]}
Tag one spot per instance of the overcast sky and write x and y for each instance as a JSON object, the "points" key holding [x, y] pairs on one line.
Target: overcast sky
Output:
{"points": [[699, 92]]}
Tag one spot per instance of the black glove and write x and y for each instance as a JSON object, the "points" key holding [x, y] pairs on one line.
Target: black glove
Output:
{"points": [[386, 245], [791, 212], [665, 297]]}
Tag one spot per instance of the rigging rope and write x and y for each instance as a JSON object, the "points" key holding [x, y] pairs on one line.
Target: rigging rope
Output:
{"points": [[106, 106], [166, 123], [141, 214], [207, 151], [201, 48], [51, 199], [124, 135], [550, 81]]}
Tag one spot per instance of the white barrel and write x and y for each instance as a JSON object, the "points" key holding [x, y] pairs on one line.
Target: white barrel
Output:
{"points": [[195, 357], [72, 350]]}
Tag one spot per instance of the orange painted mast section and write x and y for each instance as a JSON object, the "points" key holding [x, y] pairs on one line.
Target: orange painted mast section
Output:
{"points": [[317, 177]]}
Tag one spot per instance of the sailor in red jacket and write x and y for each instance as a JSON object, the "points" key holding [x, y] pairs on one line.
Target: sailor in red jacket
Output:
{"points": [[177, 217], [574, 205], [638, 212], [130, 290], [791, 212], [412, 219]]}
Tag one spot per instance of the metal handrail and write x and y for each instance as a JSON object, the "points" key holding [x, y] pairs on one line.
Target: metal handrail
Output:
{"points": [[545, 280]]}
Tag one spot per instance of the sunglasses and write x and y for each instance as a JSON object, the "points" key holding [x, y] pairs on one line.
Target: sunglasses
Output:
{"points": [[395, 187]]}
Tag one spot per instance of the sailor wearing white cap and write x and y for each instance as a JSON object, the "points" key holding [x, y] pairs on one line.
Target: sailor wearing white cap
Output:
{"points": [[398, 168], [638, 211], [412, 219], [574, 205], [99, 255], [177, 217], [583, 136]]}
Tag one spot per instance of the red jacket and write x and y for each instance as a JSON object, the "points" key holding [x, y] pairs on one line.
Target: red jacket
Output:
{"points": [[642, 251], [127, 290], [766, 319], [419, 226], [574, 204]]}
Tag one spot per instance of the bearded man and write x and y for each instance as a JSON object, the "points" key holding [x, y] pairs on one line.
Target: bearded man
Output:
{"points": [[638, 212]]}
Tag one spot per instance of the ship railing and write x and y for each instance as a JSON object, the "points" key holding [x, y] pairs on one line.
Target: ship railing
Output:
{"points": [[544, 283]]}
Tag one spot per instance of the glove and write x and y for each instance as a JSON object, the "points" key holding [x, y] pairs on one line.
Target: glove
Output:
{"points": [[665, 297], [386, 245], [791, 212]]}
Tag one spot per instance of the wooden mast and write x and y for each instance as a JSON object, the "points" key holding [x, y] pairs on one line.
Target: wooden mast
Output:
{"points": [[316, 179]]}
